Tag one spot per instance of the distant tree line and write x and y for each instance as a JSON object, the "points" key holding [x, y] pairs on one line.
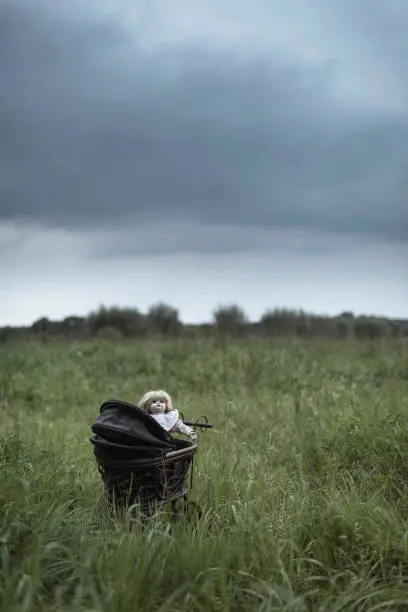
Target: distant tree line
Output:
{"points": [[162, 320]]}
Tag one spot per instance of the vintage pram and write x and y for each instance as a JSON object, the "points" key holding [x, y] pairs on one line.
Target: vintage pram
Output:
{"points": [[141, 464]]}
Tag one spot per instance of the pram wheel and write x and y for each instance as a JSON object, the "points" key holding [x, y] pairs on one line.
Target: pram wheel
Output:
{"points": [[186, 508]]}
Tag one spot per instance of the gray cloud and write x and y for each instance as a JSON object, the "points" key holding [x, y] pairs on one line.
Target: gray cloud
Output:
{"points": [[99, 128]]}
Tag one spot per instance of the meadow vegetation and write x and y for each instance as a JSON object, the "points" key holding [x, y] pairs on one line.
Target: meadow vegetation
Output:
{"points": [[302, 481]]}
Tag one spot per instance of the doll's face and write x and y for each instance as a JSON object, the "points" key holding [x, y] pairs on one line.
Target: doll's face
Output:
{"points": [[158, 406]]}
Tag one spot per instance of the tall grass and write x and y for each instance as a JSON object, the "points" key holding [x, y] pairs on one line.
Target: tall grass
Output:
{"points": [[302, 481]]}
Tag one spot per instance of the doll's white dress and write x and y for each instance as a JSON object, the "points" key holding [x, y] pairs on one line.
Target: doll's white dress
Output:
{"points": [[170, 422]]}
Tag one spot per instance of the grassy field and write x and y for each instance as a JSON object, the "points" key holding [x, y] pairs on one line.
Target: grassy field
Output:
{"points": [[303, 480]]}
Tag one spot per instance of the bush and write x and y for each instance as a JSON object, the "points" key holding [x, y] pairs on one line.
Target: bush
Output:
{"points": [[367, 328], [164, 320], [230, 320], [281, 322], [128, 321]]}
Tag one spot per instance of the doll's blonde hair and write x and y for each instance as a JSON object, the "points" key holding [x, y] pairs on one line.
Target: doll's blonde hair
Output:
{"points": [[152, 396]]}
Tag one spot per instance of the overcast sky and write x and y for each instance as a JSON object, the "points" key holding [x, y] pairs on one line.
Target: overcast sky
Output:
{"points": [[203, 153]]}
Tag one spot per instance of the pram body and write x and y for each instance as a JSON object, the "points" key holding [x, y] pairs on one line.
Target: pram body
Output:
{"points": [[140, 463]]}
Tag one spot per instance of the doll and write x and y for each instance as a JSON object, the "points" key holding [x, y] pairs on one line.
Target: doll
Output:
{"points": [[159, 405]]}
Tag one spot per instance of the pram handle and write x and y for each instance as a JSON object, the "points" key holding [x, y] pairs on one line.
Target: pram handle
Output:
{"points": [[201, 423], [198, 424]]}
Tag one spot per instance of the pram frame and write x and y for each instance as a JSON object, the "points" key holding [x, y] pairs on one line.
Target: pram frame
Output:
{"points": [[144, 485]]}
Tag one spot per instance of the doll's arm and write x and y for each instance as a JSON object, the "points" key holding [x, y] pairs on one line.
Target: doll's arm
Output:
{"points": [[180, 427]]}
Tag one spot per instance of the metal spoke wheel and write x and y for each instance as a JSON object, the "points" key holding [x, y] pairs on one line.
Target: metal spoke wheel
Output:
{"points": [[184, 508]]}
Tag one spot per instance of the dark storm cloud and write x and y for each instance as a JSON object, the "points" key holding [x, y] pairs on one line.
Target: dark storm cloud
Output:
{"points": [[97, 130]]}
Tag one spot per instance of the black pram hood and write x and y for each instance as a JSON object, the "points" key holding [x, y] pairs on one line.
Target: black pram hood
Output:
{"points": [[123, 424]]}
